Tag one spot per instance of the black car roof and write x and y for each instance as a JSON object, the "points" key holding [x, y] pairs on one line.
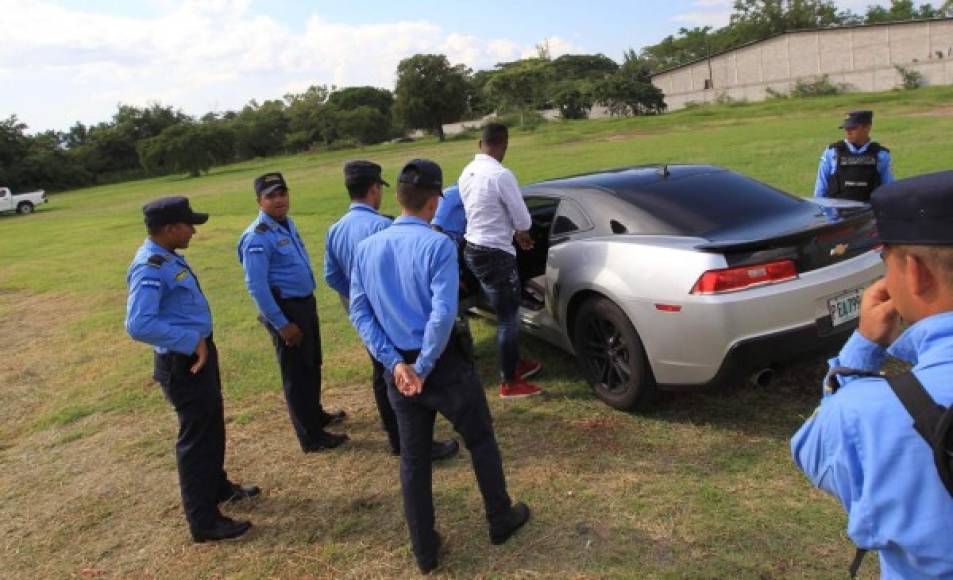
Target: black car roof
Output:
{"points": [[628, 178]]}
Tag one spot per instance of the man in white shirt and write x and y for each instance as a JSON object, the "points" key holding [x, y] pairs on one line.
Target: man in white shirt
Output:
{"points": [[495, 211]]}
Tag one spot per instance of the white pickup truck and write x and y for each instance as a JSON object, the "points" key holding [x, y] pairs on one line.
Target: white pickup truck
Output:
{"points": [[22, 203]]}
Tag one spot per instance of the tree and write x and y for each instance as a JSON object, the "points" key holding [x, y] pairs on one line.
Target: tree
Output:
{"points": [[365, 125], [583, 67], [573, 99], [351, 98], [260, 129], [523, 86], [429, 92], [190, 147]]}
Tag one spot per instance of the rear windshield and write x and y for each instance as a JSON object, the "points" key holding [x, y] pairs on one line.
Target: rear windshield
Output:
{"points": [[702, 204]]}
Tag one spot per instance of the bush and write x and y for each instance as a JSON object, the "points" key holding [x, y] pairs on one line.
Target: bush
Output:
{"points": [[817, 87], [910, 79], [775, 95]]}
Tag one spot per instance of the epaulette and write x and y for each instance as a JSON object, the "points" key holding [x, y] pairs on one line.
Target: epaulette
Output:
{"points": [[261, 228], [156, 260]]}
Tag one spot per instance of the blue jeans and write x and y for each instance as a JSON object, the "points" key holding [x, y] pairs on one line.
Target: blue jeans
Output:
{"points": [[499, 278]]}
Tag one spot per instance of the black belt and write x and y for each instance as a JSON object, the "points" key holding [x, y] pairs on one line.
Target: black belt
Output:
{"points": [[294, 298], [483, 248], [171, 354]]}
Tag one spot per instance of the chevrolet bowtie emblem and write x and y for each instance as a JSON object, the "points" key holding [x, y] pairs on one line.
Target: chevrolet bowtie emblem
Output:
{"points": [[839, 250]]}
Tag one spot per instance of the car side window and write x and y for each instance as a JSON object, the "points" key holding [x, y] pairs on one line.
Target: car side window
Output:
{"points": [[542, 210], [570, 218]]}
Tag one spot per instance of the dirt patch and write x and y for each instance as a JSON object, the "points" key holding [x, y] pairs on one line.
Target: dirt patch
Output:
{"points": [[939, 112], [30, 327]]}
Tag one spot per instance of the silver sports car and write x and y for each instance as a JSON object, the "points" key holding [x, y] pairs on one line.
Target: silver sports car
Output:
{"points": [[681, 276]]}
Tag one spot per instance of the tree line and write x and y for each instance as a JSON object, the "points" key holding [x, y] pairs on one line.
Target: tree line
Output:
{"points": [[753, 20], [429, 92]]}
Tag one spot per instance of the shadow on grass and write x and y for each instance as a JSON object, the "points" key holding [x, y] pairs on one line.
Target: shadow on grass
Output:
{"points": [[774, 411]]}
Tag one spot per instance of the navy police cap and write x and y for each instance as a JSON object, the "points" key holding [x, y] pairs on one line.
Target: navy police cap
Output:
{"points": [[422, 173], [857, 118], [268, 183], [362, 172], [917, 211], [171, 210]]}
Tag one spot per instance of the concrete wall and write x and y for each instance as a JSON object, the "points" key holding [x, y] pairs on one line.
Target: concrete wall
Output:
{"points": [[861, 57]]}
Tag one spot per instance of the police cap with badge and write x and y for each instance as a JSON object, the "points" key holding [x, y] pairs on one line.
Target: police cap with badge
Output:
{"points": [[269, 183], [171, 210], [360, 172], [857, 119]]}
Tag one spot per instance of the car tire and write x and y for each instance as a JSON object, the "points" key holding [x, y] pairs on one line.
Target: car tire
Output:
{"points": [[612, 357], [25, 208]]}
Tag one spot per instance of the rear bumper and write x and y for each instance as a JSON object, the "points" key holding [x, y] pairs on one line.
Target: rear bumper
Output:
{"points": [[754, 354]]}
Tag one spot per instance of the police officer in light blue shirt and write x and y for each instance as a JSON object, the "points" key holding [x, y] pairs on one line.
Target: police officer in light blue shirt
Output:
{"points": [[364, 185], [404, 303], [451, 218], [853, 168], [279, 278], [860, 445], [167, 309]]}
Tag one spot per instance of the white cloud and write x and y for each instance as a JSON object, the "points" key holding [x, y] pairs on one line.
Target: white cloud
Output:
{"points": [[199, 54]]}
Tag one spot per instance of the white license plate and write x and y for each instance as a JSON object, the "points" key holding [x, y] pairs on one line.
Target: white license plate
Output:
{"points": [[845, 307]]}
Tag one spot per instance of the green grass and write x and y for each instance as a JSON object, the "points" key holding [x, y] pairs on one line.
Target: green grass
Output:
{"points": [[701, 487]]}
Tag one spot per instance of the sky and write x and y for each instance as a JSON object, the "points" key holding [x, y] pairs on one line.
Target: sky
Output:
{"points": [[63, 61]]}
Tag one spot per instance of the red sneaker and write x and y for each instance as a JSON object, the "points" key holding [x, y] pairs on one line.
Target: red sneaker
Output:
{"points": [[527, 367], [518, 388]]}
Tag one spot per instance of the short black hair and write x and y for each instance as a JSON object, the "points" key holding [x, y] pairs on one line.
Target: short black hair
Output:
{"points": [[414, 197], [495, 134], [359, 190]]}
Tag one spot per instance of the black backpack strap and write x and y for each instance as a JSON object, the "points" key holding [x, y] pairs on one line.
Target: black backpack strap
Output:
{"points": [[926, 413]]}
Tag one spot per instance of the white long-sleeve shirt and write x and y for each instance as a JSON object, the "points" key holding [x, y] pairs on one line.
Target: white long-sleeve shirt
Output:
{"points": [[493, 204]]}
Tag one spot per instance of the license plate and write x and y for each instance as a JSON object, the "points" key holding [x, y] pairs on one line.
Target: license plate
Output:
{"points": [[845, 307]]}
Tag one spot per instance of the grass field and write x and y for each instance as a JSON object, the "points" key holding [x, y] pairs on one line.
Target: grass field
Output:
{"points": [[701, 487]]}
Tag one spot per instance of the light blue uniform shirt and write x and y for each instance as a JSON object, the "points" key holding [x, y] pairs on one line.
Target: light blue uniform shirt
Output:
{"points": [[828, 167], [450, 215], [165, 307], [860, 446], [404, 286], [360, 222], [274, 257]]}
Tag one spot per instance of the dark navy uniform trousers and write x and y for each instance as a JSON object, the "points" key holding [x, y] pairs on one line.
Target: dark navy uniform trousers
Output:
{"points": [[301, 368], [200, 448], [453, 390]]}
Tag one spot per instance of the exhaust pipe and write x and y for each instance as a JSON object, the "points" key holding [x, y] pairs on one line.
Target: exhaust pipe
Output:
{"points": [[762, 378]]}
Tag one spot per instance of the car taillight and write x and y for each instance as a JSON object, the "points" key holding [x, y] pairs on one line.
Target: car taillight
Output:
{"points": [[734, 279]]}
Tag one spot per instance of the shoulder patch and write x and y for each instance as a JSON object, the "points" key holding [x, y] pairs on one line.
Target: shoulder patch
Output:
{"points": [[156, 260], [181, 275], [150, 283], [257, 249], [283, 242], [261, 228]]}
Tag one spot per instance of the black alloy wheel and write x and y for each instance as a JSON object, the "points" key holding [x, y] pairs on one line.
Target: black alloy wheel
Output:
{"points": [[612, 357]]}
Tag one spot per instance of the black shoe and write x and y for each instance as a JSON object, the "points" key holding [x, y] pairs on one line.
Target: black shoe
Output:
{"points": [[332, 418], [238, 492], [324, 441], [444, 449], [223, 529], [431, 565], [514, 520]]}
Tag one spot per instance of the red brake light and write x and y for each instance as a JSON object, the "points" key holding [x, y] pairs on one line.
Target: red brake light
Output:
{"points": [[733, 279]]}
